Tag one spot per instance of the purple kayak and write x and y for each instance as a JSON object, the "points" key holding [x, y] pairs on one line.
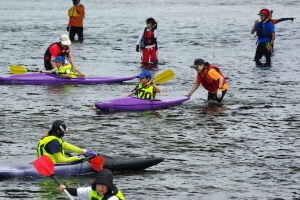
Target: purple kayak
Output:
{"points": [[50, 79], [135, 104]]}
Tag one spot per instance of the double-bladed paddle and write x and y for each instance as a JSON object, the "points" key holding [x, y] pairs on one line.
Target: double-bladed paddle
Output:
{"points": [[164, 76], [45, 167], [160, 78], [17, 69]]}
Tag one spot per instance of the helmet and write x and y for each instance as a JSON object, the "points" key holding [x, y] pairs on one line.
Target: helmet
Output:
{"points": [[264, 12]]}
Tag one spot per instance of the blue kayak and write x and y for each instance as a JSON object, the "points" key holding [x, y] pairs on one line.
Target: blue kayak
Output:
{"points": [[79, 168]]}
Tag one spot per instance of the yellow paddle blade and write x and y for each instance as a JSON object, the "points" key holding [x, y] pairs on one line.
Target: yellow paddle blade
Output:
{"points": [[164, 76], [79, 74], [16, 69]]}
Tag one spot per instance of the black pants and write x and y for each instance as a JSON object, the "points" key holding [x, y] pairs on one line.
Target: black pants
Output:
{"points": [[261, 50], [76, 30], [213, 97]]}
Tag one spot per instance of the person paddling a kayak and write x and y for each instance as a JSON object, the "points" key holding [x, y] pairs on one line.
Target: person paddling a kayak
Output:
{"points": [[54, 147], [145, 89], [60, 48], [211, 78], [102, 188]]}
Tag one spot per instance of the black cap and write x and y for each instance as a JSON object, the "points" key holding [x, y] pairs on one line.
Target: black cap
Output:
{"points": [[105, 177], [58, 126], [197, 62]]}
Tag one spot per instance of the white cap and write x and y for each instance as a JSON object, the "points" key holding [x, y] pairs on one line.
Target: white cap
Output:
{"points": [[65, 40]]}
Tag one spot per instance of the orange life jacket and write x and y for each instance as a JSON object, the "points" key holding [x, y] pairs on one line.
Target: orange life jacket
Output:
{"points": [[76, 14], [207, 82]]}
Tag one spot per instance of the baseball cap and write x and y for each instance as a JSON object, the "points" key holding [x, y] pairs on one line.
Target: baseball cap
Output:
{"points": [[59, 59], [197, 62], [59, 126], [144, 74], [65, 40]]}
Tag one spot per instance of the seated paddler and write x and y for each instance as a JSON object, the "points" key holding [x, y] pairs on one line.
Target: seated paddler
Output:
{"points": [[145, 89], [62, 68], [54, 147]]}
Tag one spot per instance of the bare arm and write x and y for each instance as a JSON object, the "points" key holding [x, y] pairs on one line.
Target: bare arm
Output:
{"points": [[70, 57], [194, 88], [156, 88], [221, 79]]}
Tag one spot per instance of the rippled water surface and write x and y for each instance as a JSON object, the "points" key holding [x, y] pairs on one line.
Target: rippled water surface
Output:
{"points": [[248, 148]]}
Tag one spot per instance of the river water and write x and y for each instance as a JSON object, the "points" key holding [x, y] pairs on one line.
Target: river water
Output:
{"points": [[248, 148]]}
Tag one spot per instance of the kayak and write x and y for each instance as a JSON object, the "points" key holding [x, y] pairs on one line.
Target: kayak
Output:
{"points": [[79, 168], [49, 79], [136, 104]]}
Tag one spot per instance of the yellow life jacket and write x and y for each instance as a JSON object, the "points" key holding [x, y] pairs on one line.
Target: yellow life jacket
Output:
{"points": [[145, 93], [42, 144], [94, 195], [64, 68], [73, 12]]}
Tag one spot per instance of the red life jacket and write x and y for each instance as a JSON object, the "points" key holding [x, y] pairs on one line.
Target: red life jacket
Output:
{"points": [[210, 84], [64, 52], [148, 37]]}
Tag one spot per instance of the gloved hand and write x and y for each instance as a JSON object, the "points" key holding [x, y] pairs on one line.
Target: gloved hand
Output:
{"points": [[219, 93], [292, 18], [91, 153], [155, 25], [81, 157], [137, 48], [68, 28]]}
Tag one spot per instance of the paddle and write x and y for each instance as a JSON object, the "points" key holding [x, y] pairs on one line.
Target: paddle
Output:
{"points": [[164, 76], [97, 162], [160, 78], [45, 166], [17, 69]]}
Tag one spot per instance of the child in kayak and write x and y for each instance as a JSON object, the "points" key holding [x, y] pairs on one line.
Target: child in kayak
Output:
{"points": [[54, 147], [145, 89], [62, 69], [102, 188]]}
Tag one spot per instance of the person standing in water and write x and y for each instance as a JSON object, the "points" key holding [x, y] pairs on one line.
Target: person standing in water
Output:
{"points": [[211, 78], [265, 31], [276, 21], [75, 25], [147, 42]]}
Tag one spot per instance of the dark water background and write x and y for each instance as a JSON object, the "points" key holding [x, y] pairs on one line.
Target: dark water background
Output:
{"points": [[246, 149]]}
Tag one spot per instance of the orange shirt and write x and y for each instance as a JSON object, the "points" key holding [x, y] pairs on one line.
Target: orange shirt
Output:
{"points": [[211, 75], [76, 14]]}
